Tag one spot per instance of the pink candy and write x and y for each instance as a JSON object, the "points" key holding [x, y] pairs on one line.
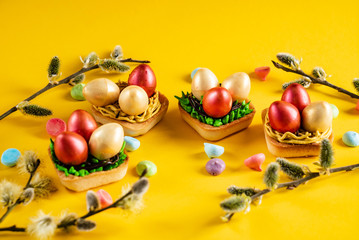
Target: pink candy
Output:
{"points": [[262, 72], [55, 126], [105, 198], [255, 162]]}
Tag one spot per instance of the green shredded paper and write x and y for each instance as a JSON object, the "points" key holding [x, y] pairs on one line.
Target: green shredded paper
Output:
{"points": [[239, 112]]}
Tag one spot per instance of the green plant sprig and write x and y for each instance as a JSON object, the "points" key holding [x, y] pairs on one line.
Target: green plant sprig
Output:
{"points": [[53, 74], [325, 162], [318, 75]]}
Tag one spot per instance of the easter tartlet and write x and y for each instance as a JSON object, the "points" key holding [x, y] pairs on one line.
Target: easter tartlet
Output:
{"points": [[135, 105], [294, 127], [216, 111], [86, 156]]}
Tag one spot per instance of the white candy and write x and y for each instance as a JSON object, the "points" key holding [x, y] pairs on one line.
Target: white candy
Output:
{"points": [[212, 150]]}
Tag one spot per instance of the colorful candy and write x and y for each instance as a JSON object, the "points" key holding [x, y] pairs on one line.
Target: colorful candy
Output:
{"points": [[76, 92], [55, 126], [335, 110], [215, 166], [213, 150], [351, 139], [194, 72], [104, 197], [132, 144], [150, 166], [262, 72], [10, 157], [255, 162]]}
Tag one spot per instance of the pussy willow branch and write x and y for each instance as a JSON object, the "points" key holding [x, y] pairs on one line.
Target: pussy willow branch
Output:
{"points": [[10, 208], [296, 183], [316, 80], [64, 81]]}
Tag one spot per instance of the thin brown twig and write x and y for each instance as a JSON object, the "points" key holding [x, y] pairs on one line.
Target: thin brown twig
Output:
{"points": [[64, 81], [316, 80]]}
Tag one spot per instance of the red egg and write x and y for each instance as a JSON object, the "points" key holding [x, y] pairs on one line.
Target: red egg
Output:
{"points": [[71, 148], [144, 77], [296, 95], [81, 122], [217, 102], [284, 117]]}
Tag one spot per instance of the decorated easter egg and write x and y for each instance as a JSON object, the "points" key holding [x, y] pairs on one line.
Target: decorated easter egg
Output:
{"points": [[101, 92], [71, 148], [133, 100], [144, 77], [81, 122], [106, 141], [284, 117], [296, 95], [202, 81], [217, 102], [317, 116], [239, 85]]}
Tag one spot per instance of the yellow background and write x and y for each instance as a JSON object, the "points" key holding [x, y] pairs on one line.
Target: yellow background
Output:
{"points": [[225, 36]]}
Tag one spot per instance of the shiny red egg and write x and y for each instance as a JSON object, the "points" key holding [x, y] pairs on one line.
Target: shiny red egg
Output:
{"points": [[71, 148], [81, 122], [217, 102], [296, 95], [144, 77], [284, 117]]}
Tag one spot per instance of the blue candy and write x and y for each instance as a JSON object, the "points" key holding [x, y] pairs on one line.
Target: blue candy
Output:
{"points": [[132, 144], [10, 157], [351, 139], [212, 150], [194, 72]]}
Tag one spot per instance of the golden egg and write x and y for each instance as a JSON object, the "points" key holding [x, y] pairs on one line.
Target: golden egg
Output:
{"points": [[133, 100], [101, 92], [239, 85], [106, 141], [202, 81], [317, 116]]}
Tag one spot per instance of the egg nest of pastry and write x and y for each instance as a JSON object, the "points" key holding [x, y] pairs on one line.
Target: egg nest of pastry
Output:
{"points": [[300, 137], [194, 107], [91, 165], [114, 111]]}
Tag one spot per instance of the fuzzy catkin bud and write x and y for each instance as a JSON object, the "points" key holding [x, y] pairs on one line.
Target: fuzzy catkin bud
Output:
{"points": [[117, 53], [235, 203], [326, 157], [288, 60], [304, 82], [112, 65], [91, 60], [292, 170], [54, 67], [141, 186], [32, 109], [27, 196], [356, 83], [77, 80], [319, 72], [85, 225], [239, 191], [92, 201], [271, 175]]}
